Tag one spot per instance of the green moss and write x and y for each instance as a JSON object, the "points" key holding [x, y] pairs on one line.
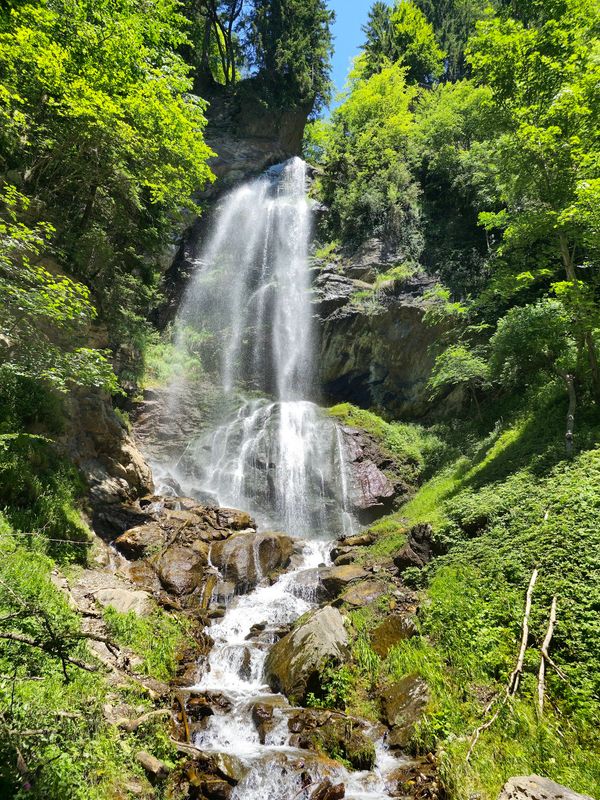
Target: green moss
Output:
{"points": [[414, 449]]}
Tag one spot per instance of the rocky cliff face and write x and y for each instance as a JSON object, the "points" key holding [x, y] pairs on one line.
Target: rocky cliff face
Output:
{"points": [[375, 349]]}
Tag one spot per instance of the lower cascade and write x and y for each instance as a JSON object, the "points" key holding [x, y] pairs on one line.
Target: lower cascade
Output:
{"points": [[274, 453]]}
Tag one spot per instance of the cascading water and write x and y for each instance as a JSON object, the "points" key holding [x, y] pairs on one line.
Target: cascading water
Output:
{"points": [[273, 453], [277, 455]]}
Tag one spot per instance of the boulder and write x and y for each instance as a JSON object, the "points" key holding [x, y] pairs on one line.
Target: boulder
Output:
{"points": [[336, 579], [534, 787], [181, 569], [294, 663], [403, 703], [125, 600], [392, 630], [262, 717], [363, 593], [141, 541], [334, 733], [419, 548], [247, 558]]}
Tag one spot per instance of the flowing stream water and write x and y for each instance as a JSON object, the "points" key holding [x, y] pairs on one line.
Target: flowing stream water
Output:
{"points": [[274, 453]]}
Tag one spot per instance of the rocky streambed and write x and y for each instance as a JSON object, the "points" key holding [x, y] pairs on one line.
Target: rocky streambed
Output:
{"points": [[267, 613]]}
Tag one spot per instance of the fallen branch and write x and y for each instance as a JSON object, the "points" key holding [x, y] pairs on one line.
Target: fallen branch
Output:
{"points": [[131, 725], [184, 717], [516, 674], [513, 682], [546, 659], [50, 648]]}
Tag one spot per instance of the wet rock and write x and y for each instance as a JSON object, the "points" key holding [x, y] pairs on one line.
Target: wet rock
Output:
{"points": [[256, 630], [181, 569], [308, 585], [370, 467], [392, 630], [363, 593], [534, 787], [416, 778], [336, 734], [245, 670], [293, 664], [198, 708], [125, 600], [154, 767], [247, 558], [262, 716], [234, 520], [336, 579], [223, 592], [215, 789], [327, 790], [403, 704]]}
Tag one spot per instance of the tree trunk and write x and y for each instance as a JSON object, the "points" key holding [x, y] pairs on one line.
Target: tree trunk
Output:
{"points": [[570, 381], [569, 264]]}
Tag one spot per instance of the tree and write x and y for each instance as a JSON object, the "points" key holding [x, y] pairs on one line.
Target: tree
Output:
{"points": [[536, 340], [367, 181], [459, 365], [44, 316], [289, 44], [103, 135], [453, 22], [402, 34], [544, 80]]}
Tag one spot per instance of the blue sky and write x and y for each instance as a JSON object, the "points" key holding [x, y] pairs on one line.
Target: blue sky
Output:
{"points": [[348, 37]]}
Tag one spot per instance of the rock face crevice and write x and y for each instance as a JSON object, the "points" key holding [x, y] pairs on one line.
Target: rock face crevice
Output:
{"points": [[376, 350], [103, 450]]}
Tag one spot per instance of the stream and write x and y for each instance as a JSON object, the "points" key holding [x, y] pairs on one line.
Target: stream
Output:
{"points": [[275, 454]]}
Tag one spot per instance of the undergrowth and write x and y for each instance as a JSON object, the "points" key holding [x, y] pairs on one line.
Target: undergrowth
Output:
{"points": [[505, 501]]}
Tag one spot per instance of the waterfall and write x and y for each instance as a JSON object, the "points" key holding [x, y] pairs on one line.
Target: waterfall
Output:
{"points": [[270, 450], [277, 455]]}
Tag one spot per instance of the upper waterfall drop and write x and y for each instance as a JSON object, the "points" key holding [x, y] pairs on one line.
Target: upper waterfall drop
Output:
{"points": [[275, 453], [252, 286]]}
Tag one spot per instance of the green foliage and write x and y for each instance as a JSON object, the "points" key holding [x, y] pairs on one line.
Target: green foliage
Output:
{"points": [[38, 493], [511, 503], [106, 141], [453, 22], [458, 365], [533, 339], [44, 315], [402, 34], [335, 687], [157, 638], [290, 43], [165, 360], [366, 182]]}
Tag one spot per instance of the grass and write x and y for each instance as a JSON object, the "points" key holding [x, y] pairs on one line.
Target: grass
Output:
{"points": [[506, 500], [156, 638]]}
